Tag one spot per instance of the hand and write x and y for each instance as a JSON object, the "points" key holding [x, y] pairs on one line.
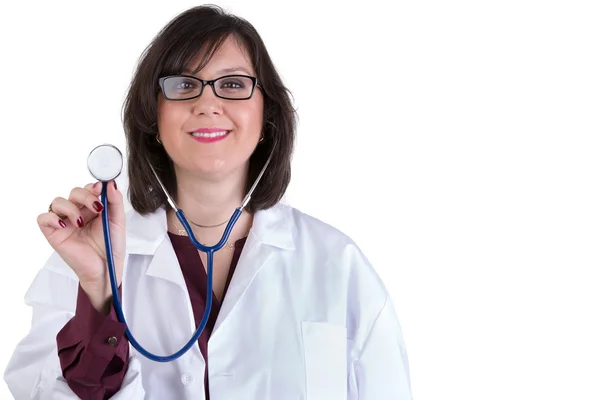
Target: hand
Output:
{"points": [[74, 230]]}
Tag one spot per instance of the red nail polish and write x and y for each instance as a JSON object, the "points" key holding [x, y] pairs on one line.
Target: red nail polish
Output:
{"points": [[115, 184], [97, 206], [62, 223], [80, 222]]}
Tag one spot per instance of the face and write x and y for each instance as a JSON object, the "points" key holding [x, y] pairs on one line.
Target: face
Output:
{"points": [[241, 119]]}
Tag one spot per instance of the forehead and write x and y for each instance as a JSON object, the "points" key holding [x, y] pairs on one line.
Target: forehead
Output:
{"points": [[231, 57]]}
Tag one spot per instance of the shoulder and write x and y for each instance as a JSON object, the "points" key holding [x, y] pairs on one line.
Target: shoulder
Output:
{"points": [[336, 249], [317, 229], [312, 233]]}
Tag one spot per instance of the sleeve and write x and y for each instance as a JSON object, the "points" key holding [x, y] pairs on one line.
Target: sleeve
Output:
{"points": [[93, 351], [381, 371], [35, 369]]}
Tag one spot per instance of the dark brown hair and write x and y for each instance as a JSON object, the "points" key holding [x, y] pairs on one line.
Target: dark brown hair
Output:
{"points": [[171, 52]]}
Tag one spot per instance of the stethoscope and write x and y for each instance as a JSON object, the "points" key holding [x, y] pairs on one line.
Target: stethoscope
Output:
{"points": [[105, 163]]}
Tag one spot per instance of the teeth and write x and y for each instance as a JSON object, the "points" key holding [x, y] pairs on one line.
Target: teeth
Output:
{"points": [[209, 135]]}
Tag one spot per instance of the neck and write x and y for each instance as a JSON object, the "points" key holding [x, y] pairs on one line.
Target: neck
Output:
{"points": [[210, 202]]}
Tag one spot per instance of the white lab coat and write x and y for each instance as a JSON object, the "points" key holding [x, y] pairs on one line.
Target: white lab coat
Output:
{"points": [[305, 317]]}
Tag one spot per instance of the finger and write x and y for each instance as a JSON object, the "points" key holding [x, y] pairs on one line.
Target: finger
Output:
{"points": [[116, 211], [94, 188], [114, 199], [77, 207], [72, 212], [86, 199], [50, 222]]}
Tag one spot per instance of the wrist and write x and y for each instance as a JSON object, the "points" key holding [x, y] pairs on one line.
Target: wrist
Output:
{"points": [[100, 296]]}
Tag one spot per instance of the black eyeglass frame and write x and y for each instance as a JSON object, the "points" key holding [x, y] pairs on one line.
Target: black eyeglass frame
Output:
{"points": [[211, 83]]}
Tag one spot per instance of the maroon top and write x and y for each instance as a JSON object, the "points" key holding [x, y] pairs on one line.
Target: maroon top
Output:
{"points": [[93, 349]]}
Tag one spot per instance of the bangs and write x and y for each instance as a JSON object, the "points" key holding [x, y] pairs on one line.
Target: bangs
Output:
{"points": [[191, 53]]}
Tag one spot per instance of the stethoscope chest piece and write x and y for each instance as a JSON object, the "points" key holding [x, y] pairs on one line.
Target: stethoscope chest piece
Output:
{"points": [[105, 162]]}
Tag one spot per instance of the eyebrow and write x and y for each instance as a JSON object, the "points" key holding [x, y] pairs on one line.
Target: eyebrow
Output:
{"points": [[234, 69], [224, 71]]}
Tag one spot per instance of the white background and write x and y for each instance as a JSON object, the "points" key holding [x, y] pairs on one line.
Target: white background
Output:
{"points": [[456, 142]]}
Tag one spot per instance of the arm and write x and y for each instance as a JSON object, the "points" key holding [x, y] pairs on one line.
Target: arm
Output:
{"points": [[93, 351], [35, 370], [381, 369]]}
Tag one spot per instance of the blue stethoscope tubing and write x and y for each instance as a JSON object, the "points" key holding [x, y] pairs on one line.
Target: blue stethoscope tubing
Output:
{"points": [[209, 250], [105, 163]]}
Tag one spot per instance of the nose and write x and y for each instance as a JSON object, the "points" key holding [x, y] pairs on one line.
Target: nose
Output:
{"points": [[207, 103]]}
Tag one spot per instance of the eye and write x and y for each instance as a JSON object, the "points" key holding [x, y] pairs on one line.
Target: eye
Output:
{"points": [[185, 85], [232, 84]]}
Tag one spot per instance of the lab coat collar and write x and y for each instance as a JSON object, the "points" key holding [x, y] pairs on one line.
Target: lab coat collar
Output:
{"points": [[271, 230], [272, 227]]}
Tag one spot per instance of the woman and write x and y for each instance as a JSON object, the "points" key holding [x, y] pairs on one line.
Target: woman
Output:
{"points": [[298, 312]]}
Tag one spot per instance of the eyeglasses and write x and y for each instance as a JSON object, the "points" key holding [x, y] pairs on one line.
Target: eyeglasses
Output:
{"points": [[230, 87]]}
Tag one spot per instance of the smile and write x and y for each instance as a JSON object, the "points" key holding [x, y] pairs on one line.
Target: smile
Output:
{"points": [[209, 137]]}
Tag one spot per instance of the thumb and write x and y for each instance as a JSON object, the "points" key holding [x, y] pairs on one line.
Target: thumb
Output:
{"points": [[116, 211]]}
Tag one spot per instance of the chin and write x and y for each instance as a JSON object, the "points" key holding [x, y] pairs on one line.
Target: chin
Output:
{"points": [[208, 170], [215, 168]]}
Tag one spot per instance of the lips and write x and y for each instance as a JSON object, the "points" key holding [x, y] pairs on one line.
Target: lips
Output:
{"points": [[212, 134], [204, 136]]}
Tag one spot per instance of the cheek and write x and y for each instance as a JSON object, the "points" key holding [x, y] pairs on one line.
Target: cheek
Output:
{"points": [[169, 118], [250, 119]]}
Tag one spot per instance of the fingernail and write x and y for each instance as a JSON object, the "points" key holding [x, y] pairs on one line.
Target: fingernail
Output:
{"points": [[80, 222], [115, 183], [95, 185], [97, 206], [62, 223]]}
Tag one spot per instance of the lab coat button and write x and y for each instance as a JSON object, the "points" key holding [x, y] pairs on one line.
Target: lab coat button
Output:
{"points": [[186, 379], [112, 340]]}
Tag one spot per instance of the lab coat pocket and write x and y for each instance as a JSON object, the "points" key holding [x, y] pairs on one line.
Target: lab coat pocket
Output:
{"points": [[325, 360]]}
